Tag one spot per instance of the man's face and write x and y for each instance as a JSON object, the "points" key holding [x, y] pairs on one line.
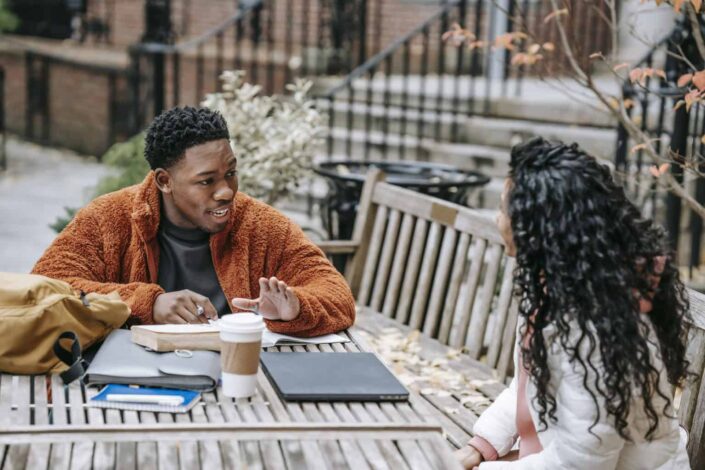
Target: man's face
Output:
{"points": [[199, 189]]}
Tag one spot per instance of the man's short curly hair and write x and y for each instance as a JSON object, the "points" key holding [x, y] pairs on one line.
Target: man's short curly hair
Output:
{"points": [[178, 129]]}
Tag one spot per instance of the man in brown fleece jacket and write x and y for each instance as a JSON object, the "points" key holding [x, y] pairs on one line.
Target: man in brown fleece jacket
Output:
{"points": [[184, 245]]}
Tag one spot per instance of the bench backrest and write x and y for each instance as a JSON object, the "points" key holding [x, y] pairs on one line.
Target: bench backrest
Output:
{"points": [[441, 268], [691, 411], [437, 267]]}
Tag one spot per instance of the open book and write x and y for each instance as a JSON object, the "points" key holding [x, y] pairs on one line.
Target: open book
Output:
{"points": [[200, 337]]}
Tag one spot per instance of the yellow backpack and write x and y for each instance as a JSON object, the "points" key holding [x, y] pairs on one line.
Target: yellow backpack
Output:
{"points": [[36, 310]]}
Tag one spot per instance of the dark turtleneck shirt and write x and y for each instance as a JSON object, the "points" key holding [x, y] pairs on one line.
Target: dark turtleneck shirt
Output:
{"points": [[185, 263]]}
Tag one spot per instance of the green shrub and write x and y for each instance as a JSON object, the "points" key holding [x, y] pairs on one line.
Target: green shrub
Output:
{"points": [[128, 158]]}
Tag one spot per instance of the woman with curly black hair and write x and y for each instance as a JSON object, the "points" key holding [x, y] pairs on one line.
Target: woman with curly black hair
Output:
{"points": [[600, 338]]}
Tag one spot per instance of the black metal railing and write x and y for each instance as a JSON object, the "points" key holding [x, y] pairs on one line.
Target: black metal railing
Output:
{"points": [[419, 89], [272, 41], [88, 119], [3, 154], [675, 133]]}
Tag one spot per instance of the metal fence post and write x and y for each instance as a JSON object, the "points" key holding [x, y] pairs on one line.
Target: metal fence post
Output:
{"points": [[677, 148], [158, 90], [3, 155]]}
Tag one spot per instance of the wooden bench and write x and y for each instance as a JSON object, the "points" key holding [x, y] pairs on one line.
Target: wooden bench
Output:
{"points": [[417, 263]]}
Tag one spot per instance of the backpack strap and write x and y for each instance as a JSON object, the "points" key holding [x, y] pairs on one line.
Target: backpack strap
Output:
{"points": [[71, 357]]}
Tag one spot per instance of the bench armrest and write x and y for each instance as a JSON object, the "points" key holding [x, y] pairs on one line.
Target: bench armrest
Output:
{"points": [[337, 247]]}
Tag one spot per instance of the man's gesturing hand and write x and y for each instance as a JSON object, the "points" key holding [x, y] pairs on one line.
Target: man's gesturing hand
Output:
{"points": [[276, 301], [183, 306]]}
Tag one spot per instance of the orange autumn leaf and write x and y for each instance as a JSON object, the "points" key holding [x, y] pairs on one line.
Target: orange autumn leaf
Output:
{"points": [[505, 40], [638, 147], [677, 4], [693, 96], [555, 14], [534, 48], [660, 170], [684, 79], [628, 103], [619, 67], [596, 55], [699, 80], [679, 104], [548, 46], [659, 73], [697, 4], [635, 74]]}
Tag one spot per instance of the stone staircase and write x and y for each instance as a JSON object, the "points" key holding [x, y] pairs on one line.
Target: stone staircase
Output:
{"points": [[370, 130]]}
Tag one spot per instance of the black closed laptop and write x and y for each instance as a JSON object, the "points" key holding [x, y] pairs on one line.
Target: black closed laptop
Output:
{"points": [[300, 376]]}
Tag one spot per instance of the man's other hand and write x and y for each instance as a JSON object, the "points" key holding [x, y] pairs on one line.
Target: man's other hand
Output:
{"points": [[183, 306], [276, 301]]}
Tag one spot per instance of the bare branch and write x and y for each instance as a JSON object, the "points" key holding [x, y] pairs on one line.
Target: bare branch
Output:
{"points": [[695, 27], [567, 47]]}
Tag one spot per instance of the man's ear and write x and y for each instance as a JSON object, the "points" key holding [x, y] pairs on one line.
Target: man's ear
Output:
{"points": [[163, 180]]}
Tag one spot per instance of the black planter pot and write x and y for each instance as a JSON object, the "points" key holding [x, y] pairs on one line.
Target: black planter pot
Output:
{"points": [[345, 179]]}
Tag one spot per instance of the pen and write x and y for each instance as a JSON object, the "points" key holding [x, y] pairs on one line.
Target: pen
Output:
{"points": [[169, 400]]}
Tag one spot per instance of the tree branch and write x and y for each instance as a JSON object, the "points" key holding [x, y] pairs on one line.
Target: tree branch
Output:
{"points": [[566, 45], [695, 26]]}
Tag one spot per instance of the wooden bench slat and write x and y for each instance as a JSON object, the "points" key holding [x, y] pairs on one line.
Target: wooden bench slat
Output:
{"points": [[461, 318], [374, 249], [412, 270], [382, 276], [399, 264], [478, 322], [454, 288], [430, 258], [440, 282], [501, 313], [505, 363]]}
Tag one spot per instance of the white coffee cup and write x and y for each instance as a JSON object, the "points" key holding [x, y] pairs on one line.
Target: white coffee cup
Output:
{"points": [[240, 345]]}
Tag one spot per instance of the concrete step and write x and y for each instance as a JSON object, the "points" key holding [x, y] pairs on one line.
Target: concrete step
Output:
{"points": [[529, 99], [508, 132], [492, 161], [357, 144], [393, 119]]}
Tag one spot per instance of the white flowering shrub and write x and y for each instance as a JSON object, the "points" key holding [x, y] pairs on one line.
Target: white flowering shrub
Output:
{"points": [[273, 137]]}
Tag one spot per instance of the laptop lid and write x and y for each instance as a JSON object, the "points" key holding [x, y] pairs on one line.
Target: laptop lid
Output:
{"points": [[301, 376]]}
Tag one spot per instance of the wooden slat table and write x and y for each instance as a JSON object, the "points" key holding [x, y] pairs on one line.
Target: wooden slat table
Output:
{"points": [[57, 430], [455, 387]]}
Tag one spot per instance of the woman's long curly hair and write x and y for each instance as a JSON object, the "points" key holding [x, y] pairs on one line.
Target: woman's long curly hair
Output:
{"points": [[584, 253]]}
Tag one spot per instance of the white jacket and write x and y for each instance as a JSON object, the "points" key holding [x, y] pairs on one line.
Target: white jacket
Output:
{"points": [[567, 444]]}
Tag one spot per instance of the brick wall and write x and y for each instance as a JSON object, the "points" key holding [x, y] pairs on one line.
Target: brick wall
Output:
{"points": [[15, 91], [79, 105], [191, 18]]}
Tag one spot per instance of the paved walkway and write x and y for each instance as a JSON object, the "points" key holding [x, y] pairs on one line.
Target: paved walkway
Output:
{"points": [[38, 183]]}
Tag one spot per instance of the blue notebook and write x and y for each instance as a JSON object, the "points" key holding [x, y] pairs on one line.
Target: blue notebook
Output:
{"points": [[124, 397]]}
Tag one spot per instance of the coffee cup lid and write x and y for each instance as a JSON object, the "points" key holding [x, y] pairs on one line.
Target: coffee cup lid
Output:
{"points": [[242, 322]]}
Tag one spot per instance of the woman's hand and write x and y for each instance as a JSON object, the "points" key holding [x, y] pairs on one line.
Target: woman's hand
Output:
{"points": [[469, 457]]}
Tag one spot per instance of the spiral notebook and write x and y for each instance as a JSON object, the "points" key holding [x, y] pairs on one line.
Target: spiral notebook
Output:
{"points": [[109, 397]]}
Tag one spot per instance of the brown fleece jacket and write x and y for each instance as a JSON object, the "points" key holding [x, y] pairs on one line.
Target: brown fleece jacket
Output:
{"points": [[112, 245]]}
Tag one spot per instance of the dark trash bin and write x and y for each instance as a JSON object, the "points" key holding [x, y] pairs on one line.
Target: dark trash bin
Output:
{"points": [[345, 179]]}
